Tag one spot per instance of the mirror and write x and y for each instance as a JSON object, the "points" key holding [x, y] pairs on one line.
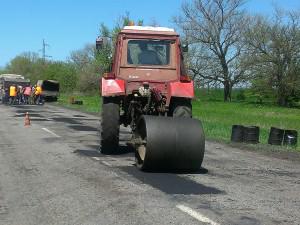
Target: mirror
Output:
{"points": [[101, 42], [185, 48]]}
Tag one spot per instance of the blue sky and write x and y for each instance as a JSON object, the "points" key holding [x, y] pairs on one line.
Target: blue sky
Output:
{"points": [[70, 24]]}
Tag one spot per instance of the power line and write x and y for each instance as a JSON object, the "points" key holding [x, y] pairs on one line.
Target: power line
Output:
{"points": [[44, 56]]}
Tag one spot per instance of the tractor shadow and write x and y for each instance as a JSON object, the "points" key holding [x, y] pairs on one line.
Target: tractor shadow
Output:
{"points": [[121, 151], [172, 183], [88, 153], [169, 182], [95, 151]]}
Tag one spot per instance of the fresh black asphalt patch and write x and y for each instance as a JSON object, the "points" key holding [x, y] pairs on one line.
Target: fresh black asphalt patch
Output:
{"points": [[66, 120], [83, 128]]}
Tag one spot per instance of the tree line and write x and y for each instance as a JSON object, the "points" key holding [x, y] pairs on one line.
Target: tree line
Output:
{"points": [[228, 48], [82, 69]]}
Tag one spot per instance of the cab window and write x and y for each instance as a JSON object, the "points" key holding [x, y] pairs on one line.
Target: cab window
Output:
{"points": [[148, 52]]}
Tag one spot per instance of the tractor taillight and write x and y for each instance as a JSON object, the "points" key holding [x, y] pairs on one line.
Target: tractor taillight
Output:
{"points": [[108, 76], [185, 78]]}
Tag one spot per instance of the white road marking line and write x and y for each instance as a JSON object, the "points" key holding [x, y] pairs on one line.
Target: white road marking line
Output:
{"points": [[106, 163], [196, 215], [96, 158], [50, 132]]}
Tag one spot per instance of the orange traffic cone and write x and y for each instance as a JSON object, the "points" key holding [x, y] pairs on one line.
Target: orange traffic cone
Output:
{"points": [[27, 120]]}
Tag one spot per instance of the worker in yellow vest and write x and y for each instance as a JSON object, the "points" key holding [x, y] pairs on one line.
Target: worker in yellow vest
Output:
{"points": [[38, 94], [12, 94]]}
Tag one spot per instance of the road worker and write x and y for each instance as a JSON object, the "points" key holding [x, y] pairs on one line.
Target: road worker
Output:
{"points": [[20, 96], [27, 94], [32, 98], [38, 94], [6, 95], [12, 94]]}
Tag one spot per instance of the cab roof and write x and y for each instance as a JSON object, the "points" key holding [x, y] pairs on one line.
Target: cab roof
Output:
{"points": [[149, 30]]}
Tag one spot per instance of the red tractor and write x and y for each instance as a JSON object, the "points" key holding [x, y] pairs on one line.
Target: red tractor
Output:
{"points": [[149, 90]]}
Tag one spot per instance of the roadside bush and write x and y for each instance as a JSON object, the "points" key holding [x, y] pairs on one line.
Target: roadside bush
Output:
{"points": [[64, 73], [88, 83], [241, 95]]}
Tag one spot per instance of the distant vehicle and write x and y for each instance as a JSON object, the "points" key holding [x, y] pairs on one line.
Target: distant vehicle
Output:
{"points": [[13, 76], [50, 89], [7, 80]]}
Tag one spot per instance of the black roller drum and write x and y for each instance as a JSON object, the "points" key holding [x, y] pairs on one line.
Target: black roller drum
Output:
{"points": [[170, 143]]}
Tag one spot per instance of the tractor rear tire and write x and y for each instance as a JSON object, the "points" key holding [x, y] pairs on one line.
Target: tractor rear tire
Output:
{"points": [[183, 109], [110, 128]]}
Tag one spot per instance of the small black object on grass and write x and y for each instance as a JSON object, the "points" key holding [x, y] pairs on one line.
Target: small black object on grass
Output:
{"points": [[247, 134], [251, 134], [275, 136], [237, 133], [78, 102], [290, 137]]}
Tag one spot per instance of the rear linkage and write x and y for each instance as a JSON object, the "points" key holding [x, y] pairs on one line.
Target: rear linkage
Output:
{"points": [[144, 101]]}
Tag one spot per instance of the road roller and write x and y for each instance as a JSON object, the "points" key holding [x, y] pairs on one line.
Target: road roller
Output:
{"points": [[148, 89]]}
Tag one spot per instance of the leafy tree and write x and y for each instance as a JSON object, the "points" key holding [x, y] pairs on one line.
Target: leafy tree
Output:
{"points": [[34, 68], [274, 52], [28, 64], [90, 63], [64, 73]]}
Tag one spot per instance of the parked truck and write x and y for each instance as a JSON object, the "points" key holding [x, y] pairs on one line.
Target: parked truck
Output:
{"points": [[50, 89], [7, 80], [149, 90]]}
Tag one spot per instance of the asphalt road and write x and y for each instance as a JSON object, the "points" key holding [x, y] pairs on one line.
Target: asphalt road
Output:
{"points": [[52, 173]]}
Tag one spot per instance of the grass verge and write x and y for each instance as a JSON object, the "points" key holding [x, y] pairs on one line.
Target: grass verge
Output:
{"points": [[91, 103], [218, 117]]}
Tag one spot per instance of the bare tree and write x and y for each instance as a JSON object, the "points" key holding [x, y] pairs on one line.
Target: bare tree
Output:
{"points": [[202, 65], [153, 22], [83, 57], [216, 26]]}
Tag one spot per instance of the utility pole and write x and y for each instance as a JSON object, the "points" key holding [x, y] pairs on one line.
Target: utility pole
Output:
{"points": [[44, 56]]}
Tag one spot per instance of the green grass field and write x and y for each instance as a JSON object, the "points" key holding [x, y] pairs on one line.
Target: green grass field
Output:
{"points": [[90, 103], [218, 117]]}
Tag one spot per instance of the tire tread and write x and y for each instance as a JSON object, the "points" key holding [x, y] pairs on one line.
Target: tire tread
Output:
{"points": [[110, 127]]}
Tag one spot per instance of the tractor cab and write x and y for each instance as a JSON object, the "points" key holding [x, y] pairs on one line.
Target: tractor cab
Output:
{"points": [[147, 53]]}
